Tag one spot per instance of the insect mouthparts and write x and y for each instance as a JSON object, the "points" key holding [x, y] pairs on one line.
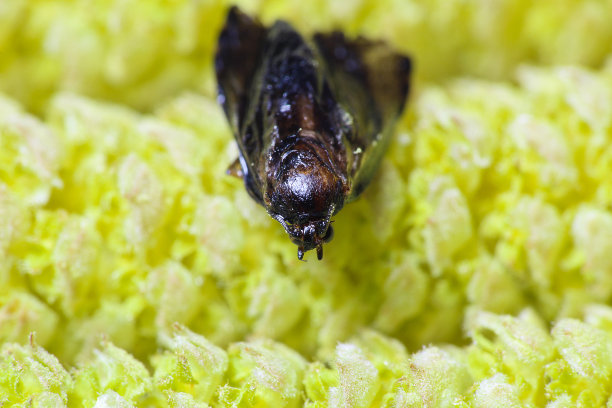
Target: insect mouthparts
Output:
{"points": [[334, 102], [319, 247]]}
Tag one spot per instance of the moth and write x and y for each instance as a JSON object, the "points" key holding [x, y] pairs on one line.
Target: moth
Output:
{"points": [[312, 118]]}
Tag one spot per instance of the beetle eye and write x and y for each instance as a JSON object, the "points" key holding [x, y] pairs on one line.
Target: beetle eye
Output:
{"points": [[329, 234]]}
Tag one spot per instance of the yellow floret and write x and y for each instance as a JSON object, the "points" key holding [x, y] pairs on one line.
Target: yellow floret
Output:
{"points": [[475, 271]]}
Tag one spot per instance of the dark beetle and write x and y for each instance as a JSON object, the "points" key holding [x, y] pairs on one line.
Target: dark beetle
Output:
{"points": [[312, 118]]}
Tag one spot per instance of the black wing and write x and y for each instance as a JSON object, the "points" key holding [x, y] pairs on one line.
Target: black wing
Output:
{"points": [[371, 82], [238, 57]]}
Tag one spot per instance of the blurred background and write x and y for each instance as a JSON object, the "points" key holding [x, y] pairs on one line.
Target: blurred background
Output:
{"points": [[140, 53]]}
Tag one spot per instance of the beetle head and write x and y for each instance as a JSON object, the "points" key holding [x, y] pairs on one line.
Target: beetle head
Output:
{"points": [[302, 195]]}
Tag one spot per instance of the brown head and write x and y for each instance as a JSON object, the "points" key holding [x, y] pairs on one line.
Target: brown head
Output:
{"points": [[303, 192]]}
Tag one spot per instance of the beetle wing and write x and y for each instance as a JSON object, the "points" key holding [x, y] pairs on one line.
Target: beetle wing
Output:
{"points": [[238, 57], [371, 82], [238, 54]]}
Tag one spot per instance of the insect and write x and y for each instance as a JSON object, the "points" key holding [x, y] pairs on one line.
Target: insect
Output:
{"points": [[312, 118]]}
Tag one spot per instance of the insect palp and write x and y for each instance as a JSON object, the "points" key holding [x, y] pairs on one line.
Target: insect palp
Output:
{"points": [[319, 251]]}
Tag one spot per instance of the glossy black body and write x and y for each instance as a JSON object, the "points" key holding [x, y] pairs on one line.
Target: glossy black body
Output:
{"points": [[312, 118]]}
